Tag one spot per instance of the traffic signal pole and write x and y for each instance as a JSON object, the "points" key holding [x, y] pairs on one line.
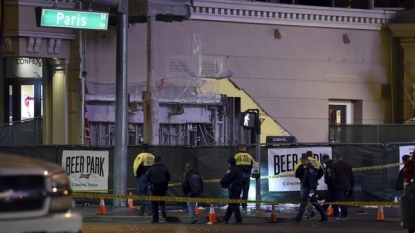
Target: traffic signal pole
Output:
{"points": [[258, 159], [251, 121], [258, 179]]}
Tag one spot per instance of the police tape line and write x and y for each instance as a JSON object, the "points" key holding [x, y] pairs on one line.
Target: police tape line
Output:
{"points": [[377, 167], [218, 200], [357, 169]]}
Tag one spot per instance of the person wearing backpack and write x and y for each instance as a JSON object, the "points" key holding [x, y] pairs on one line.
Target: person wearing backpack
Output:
{"points": [[192, 185]]}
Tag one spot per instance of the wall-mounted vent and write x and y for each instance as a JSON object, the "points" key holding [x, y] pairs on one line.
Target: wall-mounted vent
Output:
{"points": [[195, 66], [211, 66], [177, 65]]}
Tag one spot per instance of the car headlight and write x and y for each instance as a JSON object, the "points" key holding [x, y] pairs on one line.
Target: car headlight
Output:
{"points": [[60, 184], [61, 198]]}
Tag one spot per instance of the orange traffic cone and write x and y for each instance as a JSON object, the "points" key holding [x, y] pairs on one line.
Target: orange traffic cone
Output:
{"points": [[212, 215], [381, 215], [273, 215], [197, 209], [330, 210], [130, 202], [102, 210]]}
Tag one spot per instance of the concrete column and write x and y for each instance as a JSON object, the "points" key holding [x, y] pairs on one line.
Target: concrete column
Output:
{"points": [[59, 108]]}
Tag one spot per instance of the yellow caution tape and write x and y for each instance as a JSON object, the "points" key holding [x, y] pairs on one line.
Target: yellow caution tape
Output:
{"points": [[376, 167], [216, 200], [357, 169]]}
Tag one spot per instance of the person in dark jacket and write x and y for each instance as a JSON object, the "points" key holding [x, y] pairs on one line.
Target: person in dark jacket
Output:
{"points": [[299, 171], [343, 182], [308, 188], [158, 176], [400, 181], [244, 161], [331, 195], [233, 182], [192, 185], [409, 171]]}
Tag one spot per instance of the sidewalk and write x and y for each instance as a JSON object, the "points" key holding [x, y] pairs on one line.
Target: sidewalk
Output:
{"points": [[180, 214]]}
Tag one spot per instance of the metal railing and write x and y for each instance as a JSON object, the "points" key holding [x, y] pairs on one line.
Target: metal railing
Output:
{"points": [[357, 4], [22, 133], [30, 132], [371, 133]]}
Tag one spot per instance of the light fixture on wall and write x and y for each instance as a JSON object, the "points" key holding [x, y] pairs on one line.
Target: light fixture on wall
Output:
{"points": [[57, 64], [278, 34], [347, 39]]}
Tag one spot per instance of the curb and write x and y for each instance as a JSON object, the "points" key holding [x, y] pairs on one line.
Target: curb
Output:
{"points": [[175, 219]]}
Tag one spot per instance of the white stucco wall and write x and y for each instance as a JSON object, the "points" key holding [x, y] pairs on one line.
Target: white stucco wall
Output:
{"points": [[292, 78]]}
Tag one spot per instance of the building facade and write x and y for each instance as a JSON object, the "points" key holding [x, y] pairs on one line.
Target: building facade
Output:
{"points": [[304, 67]]}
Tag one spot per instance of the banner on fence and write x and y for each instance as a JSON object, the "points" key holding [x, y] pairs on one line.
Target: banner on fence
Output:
{"points": [[87, 169], [281, 161]]}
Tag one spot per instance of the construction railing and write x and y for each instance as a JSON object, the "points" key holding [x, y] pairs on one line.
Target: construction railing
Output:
{"points": [[22, 133], [371, 133]]}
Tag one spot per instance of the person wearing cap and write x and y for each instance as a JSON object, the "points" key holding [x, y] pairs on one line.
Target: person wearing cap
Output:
{"points": [[233, 182], [192, 186], [142, 163], [158, 176], [244, 161]]}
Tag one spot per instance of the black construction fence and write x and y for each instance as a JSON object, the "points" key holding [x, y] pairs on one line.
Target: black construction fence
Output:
{"points": [[211, 163]]}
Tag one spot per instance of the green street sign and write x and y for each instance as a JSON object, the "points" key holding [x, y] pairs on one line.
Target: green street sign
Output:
{"points": [[53, 17]]}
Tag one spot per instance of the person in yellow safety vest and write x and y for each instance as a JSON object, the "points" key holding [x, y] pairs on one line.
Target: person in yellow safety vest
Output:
{"points": [[299, 171], [244, 161], [142, 163]]}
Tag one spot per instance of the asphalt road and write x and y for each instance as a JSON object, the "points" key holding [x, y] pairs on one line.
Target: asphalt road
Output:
{"points": [[332, 226]]}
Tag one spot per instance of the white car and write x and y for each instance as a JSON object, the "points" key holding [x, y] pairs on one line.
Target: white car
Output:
{"points": [[35, 196]]}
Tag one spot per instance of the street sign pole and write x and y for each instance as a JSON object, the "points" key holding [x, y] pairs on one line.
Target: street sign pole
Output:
{"points": [[121, 106], [121, 99]]}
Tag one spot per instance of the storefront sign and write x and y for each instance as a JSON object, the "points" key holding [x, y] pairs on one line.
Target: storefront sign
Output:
{"points": [[71, 19], [280, 139], [281, 161], [88, 170], [24, 67]]}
